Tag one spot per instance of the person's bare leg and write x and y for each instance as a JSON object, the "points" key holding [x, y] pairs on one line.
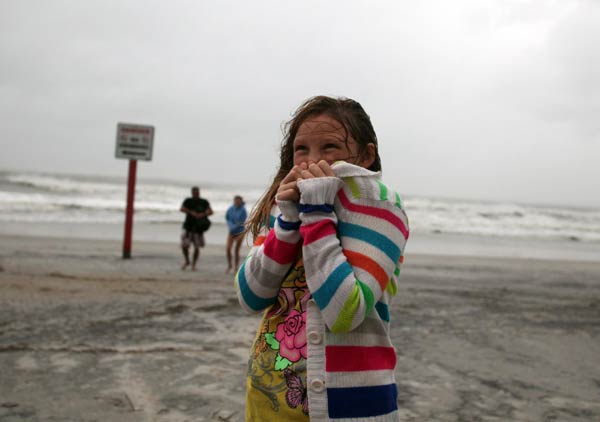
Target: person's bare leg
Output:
{"points": [[228, 250], [186, 256], [238, 244], [196, 256]]}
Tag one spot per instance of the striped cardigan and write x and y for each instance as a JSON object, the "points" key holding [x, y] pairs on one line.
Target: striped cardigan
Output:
{"points": [[352, 231]]}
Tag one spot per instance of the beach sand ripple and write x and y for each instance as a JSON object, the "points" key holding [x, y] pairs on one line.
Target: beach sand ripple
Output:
{"points": [[86, 336]]}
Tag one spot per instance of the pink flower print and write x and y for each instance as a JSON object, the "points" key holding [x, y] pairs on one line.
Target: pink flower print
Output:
{"points": [[291, 334]]}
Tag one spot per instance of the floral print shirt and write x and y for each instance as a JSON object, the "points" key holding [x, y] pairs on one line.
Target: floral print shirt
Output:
{"points": [[276, 382]]}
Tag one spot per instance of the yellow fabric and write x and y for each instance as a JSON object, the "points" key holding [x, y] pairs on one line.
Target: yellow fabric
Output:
{"points": [[276, 385]]}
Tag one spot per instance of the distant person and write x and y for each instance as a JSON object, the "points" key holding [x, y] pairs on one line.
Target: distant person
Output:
{"points": [[236, 219], [196, 222]]}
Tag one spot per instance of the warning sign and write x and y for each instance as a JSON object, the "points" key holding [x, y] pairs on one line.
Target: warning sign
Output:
{"points": [[134, 142]]}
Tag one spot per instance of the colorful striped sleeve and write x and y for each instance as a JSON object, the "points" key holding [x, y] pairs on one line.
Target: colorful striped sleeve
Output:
{"points": [[259, 277], [351, 248]]}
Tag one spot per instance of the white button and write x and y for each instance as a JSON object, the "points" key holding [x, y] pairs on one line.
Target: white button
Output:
{"points": [[317, 385], [315, 338]]}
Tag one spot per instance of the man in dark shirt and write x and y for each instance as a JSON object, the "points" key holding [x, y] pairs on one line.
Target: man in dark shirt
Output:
{"points": [[196, 223]]}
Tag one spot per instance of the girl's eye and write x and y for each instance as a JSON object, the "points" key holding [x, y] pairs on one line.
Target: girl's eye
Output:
{"points": [[330, 146], [299, 148]]}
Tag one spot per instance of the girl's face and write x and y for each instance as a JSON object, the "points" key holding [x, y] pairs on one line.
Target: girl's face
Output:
{"points": [[324, 138]]}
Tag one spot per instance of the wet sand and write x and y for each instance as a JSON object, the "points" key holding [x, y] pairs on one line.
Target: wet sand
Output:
{"points": [[86, 336]]}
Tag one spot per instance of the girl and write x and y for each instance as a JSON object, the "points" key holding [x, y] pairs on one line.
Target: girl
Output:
{"points": [[325, 273], [236, 218]]}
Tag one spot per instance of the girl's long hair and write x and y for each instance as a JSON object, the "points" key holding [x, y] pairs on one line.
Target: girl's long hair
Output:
{"points": [[347, 112]]}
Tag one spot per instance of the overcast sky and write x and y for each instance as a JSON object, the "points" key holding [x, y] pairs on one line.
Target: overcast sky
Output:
{"points": [[470, 99]]}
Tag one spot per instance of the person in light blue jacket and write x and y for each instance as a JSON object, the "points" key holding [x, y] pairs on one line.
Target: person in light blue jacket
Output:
{"points": [[236, 220]]}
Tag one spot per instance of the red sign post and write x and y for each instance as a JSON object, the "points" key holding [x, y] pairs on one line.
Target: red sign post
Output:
{"points": [[129, 209], [134, 142]]}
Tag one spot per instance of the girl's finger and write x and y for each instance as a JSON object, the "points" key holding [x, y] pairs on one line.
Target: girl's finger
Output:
{"points": [[306, 174], [297, 171], [316, 170], [290, 177], [287, 186], [288, 195], [294, 173], [326, 168]]}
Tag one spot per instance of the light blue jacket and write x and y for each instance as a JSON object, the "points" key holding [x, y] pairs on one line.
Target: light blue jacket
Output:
{"points": [[236, 217]]}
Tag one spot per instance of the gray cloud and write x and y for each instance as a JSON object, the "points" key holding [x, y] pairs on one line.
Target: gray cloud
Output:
{"points": [[493, 99]]}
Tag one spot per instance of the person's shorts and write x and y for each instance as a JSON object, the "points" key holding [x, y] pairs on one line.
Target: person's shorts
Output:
{"points": [[192, 238], [236, 235]]}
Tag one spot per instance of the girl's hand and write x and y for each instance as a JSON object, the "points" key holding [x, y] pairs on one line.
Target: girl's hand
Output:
{"points": [[320, 169], [288, 189]]}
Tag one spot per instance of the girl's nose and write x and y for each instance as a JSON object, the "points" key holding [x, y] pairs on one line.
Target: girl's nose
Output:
{"points": [[315, 157]]}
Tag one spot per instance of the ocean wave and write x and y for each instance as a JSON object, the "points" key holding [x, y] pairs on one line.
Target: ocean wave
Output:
{"points": [[60, 184], [26, 197]]}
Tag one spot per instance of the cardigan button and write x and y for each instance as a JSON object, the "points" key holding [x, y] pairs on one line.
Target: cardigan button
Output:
{"points": [[315, 337], [317, 385]]}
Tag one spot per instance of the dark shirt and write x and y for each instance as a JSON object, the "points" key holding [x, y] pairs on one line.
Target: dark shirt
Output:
{"points": [[193, 224]]}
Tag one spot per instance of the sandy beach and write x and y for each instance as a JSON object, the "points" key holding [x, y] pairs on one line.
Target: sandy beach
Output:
{"points": [[87, 336]]}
